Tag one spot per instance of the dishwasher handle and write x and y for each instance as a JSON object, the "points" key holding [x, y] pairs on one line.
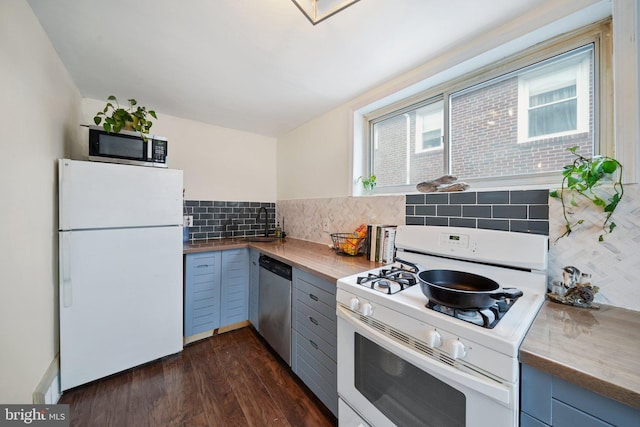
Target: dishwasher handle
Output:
{"points": [[275, 266]]}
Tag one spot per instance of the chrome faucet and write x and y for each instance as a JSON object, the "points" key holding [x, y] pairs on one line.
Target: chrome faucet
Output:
{"points": [[266, 220]]}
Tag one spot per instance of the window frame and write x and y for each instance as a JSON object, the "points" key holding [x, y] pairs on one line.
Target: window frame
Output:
{"points": [[582, 104], [598, 33], [420, 131]]}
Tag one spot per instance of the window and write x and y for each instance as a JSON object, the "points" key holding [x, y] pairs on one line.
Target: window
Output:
{"points": [[510, 122], [429, 127], [555, 97], [408, 144]]}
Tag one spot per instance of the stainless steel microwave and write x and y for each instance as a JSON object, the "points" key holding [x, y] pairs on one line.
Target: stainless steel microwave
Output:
{"points": [[127, 147]]}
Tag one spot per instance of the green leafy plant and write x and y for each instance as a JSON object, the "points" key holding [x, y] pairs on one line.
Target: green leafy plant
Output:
{"points": [[582, 177], [117, 118], [368, 183]]}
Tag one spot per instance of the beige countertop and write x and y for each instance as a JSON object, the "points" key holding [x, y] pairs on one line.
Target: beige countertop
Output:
{"points": [[315, 258], [596, 349]]}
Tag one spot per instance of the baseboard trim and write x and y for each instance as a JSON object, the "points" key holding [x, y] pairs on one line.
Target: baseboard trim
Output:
{"points": [[212, 332], [48, 390]]}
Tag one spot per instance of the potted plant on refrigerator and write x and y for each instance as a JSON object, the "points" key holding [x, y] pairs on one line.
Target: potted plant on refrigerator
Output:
{"points": [[115, 118]]}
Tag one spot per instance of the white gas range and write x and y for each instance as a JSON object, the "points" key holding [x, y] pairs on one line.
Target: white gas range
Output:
{"points": [[398, 358]]}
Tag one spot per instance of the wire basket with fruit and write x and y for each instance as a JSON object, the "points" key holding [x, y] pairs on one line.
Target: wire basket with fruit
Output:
{"points": [[350, 243]]}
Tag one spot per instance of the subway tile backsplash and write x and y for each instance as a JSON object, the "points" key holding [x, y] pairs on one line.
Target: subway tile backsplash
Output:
{"points": [[218, 219], [524, 211]]}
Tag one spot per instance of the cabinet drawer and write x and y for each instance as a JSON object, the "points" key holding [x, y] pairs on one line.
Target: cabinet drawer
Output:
{"points": [[309, 322], [314, 348], [321, 301], [321, 381], [306, 282], [568, 416]]}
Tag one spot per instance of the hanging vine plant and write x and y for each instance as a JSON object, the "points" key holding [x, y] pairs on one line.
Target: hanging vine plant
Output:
{"points": [[582, 177]]}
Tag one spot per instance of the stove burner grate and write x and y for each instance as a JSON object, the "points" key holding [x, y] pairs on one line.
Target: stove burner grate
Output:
{"points": [[486, 318], [389, 280]]}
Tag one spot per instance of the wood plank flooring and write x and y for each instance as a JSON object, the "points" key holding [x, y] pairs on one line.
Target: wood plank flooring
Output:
{"points": [[230, 379]]}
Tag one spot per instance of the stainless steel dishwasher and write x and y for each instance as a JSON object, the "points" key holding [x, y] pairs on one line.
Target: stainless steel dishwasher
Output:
{"points": [[274, 305]]}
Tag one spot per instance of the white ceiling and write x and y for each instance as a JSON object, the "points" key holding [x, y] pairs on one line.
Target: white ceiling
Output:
{"points": [[254, 65]]}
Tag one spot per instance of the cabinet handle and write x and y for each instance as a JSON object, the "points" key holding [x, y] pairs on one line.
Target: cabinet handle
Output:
{"points": [[313, 297], [314, 321], [202, 265], [314, 345]]}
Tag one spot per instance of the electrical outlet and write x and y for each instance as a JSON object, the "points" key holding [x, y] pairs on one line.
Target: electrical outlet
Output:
{"points": [[187, 220], [325, 225]]}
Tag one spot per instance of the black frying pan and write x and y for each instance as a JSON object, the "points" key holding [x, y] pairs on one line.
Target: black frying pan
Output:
{"points": [[458, 289]]}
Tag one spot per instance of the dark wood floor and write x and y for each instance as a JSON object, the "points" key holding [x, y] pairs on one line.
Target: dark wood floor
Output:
{"points": [[230, 379]]}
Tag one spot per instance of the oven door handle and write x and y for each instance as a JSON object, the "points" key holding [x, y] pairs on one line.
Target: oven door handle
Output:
{"points": [[486, 387]]}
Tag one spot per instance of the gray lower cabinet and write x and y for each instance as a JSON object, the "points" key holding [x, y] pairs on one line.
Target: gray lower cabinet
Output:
{"points": [[254, 290], [313, 336], [550, 401], [216, 290], [201, 292], [234, 286]]}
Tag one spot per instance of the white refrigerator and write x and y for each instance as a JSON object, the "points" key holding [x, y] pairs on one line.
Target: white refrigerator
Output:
{"points": [[120, 237]]}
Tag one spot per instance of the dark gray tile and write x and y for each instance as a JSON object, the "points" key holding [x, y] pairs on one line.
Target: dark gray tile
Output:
{"points": [[409, 210], [206, 203], [463, 198], [462, 222], [437, 199], [233, 204], [199, 236], [415, 199], [436, 220], [199, 210], [494, 224], [493, 198], [449, 210], [199, 222], [533, 227], [219, 204], [426, 210], [414, 220], [539, 212], [476, 211], [530, 197], [192, 203], [510, 211], [206, 229], [206, 216]]}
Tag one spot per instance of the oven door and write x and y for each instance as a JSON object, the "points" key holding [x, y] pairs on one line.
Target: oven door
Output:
{"points": [[390, 384]]}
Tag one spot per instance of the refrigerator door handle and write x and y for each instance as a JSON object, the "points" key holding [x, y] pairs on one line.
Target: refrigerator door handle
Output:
{"points": [[65, 269]]}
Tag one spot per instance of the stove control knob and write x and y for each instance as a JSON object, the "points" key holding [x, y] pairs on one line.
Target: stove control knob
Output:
{"points": [[454, 348], [367, 309], [354, 304], [434, 339]]}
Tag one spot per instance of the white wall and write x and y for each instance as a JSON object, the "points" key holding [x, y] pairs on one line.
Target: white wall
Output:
{"points": [[218, 163], [39, 111], [314, 160]]}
